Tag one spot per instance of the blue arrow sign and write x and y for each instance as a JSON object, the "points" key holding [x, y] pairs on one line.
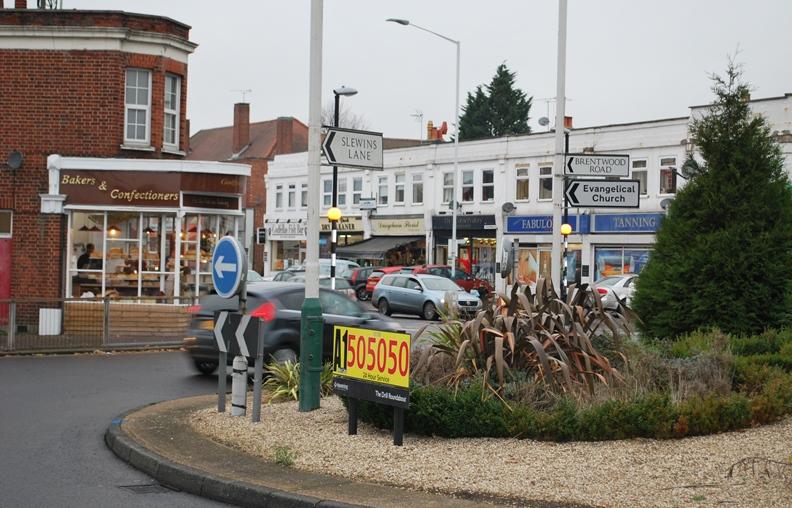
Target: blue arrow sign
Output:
{"points": [[229, 266]]}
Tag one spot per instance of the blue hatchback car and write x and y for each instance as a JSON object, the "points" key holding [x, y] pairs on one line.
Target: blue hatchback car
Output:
{"points": [[422, 295]]}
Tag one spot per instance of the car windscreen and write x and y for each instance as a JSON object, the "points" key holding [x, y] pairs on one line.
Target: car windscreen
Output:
{"points": [[440, 284], [377, 274], [608, 281], [253, 276]]}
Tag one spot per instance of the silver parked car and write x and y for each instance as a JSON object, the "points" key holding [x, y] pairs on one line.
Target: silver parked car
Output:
{"points": [[615, 288], [421, 294]]}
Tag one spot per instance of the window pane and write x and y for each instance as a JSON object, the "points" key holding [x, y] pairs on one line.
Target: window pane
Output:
{"points": [[141, 132], [142, 97], [546, 188], [668, 161], [487, 176], [448, 179], [546, 170], [5, 222], [641, 177], [467, 178], [357, 184], [639, 164], [488, 193], [522, 172], [522, 189]]}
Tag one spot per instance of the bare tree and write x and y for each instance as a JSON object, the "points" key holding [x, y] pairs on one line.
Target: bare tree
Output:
{"points": [[346, 118]]}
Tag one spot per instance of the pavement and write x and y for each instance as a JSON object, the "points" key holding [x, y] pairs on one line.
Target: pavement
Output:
{"points": [[158, 440]]}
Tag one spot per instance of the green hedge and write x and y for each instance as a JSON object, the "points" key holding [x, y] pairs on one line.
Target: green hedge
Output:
{"points": [[763, 384]]}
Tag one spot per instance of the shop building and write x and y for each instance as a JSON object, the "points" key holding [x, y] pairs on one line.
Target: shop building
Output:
{"points": [[505, 190], [255, 144], [96, 125]]}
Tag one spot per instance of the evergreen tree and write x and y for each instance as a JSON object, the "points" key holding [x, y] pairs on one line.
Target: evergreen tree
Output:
{"points": [[474, 122], [508, 106], [501, 110], [723, 254]]}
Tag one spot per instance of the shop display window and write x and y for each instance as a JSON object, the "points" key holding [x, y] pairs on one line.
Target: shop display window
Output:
{"points": [[619, 260], [134, 254]]}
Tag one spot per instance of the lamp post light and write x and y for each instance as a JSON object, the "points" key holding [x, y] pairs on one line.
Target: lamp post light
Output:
{"points": [[566, 230], [336, 213], [454, 200]]}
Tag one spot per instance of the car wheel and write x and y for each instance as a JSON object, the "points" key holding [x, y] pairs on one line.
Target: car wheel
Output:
{"points": [[205, 367], [285, 355], [383, 307], [362, 294], [429, 311]]}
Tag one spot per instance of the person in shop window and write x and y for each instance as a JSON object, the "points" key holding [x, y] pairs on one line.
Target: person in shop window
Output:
{"points": [[84, 261]]}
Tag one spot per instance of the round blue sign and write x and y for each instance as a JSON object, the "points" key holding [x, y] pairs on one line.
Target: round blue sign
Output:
{"points": [[229, 266]]}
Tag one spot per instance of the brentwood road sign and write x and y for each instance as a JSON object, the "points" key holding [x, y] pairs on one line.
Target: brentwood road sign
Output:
{"points": [[604, 193], [581, 164], [357, 149]]}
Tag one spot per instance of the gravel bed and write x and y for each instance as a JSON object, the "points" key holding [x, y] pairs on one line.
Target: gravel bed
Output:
{"points": [[636, 472]]}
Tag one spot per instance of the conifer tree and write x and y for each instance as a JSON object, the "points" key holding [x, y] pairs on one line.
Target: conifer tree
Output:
{"points": [[723, 254], [474, 122], [501, 110]]}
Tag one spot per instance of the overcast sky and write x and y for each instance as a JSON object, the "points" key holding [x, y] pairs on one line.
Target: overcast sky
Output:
{"points": [[627, 60]]}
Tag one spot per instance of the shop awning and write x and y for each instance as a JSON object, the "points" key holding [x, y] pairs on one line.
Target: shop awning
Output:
{"points": [[375, 247]]}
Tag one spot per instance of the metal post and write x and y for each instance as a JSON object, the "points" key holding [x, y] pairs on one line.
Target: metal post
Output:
{"points": [[333, 222], [455, 192], [565, 281], [221, 381], [258, 372], [558, 165], [311, 322], [106, 321], [11, 325]]}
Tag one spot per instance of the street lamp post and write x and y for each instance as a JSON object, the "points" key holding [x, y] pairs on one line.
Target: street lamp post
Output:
{"points": [[454, 200], [558, 165], [334, 214]]}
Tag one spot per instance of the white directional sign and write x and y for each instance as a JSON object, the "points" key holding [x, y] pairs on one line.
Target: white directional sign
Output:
{"points": [[604, 193], [240, 335], [218, 331], [581, 164], [357, 149]]}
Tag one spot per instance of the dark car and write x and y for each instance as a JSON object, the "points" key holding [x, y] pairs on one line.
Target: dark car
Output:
{"points": [[461, 277], [279, 305], [358, 281]]}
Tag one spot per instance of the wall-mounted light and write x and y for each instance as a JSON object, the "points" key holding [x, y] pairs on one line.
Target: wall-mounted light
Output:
{"points": [[149, 231], [113, 230]]}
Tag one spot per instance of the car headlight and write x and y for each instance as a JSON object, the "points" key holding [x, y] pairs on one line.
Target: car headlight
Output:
{"points": [[442, 301]]}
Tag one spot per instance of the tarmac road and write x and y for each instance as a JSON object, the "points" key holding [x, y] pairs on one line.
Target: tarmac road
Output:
{"points": [[54, 411]]}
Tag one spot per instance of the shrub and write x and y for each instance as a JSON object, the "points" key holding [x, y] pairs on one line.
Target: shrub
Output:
{"points": [[283, 380]]}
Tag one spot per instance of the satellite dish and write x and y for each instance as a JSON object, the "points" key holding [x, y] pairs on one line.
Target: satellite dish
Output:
{"points": [[544, 121], [664, 204], [507, 207], [15, 159]]}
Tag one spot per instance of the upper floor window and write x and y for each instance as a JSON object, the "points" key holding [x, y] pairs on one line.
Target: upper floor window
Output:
{"points": [[357, 189], [467, 186], [639, 173], [523, 179], [137, 113], [448, 187], [279, 196], [304, 195], [327, 192], [383, 190], [172, 102], [488, 185], [417, 188], [342, 191], [546, 182], [668, 175], [399, 189], [292, 199]]}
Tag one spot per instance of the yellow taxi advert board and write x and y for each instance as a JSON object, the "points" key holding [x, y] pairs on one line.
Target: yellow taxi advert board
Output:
{"points": [[372, 355]]}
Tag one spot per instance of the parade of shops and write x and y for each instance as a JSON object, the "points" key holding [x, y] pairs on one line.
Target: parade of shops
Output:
{"points": [[505, 185]]}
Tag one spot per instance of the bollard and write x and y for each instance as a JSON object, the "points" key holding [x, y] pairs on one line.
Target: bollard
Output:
{"points": [[239, 387]]}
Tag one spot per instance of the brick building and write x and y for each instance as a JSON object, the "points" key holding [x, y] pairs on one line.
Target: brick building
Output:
{"points": [[255, 144], [94, 106]]}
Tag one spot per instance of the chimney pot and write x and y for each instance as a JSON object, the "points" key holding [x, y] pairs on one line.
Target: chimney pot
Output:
{"points": [[241, 126]]}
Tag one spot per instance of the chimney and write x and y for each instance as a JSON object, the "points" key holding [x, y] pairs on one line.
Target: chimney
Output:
{"points": [[20, 4], [241, 126], [284, 135]]}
